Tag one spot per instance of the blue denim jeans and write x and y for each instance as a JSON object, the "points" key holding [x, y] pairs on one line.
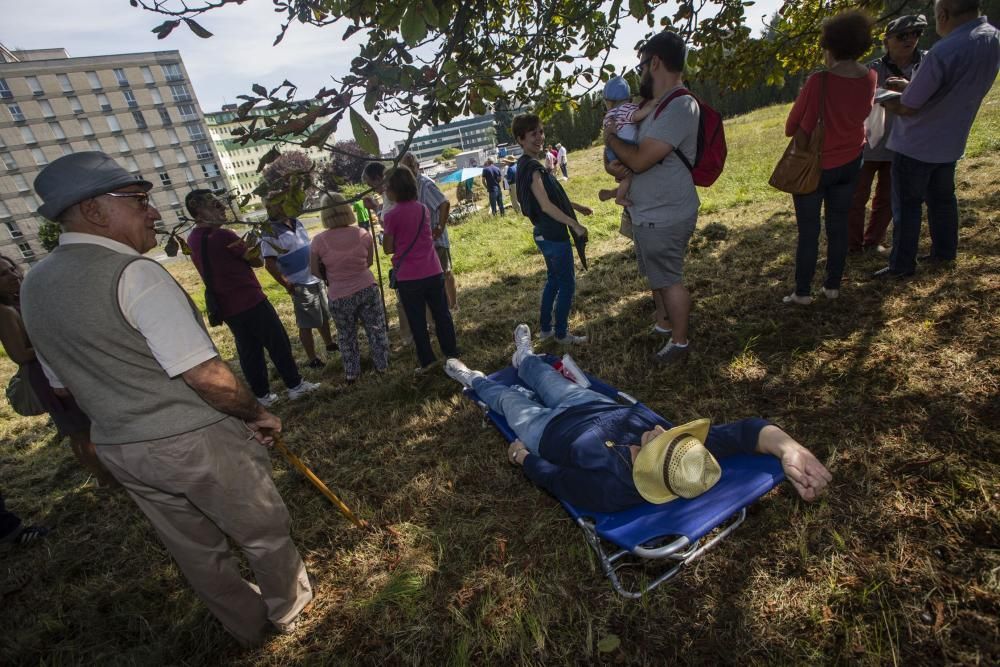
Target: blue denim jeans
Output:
{"points": [[913, 182], [560, 284], [836, 191], [496, 200], [526, 416]]}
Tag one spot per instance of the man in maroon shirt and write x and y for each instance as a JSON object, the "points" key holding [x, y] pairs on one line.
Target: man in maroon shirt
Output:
{"points": [[241, 302]]}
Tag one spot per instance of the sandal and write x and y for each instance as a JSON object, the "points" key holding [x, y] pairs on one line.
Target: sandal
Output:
{"points": [[26, 535]]}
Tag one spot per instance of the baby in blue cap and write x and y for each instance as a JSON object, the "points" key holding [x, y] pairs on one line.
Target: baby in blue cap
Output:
{"points": [[624, 117]]}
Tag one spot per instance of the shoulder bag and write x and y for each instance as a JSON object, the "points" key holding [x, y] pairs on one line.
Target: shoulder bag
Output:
{"points": [[21, 396], [800, 168], [211, 303], [396, 263]]}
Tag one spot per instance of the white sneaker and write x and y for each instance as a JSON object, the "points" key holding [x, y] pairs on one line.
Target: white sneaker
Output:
{"points": [[657, 330], [269, 400], [305, 387], [795, 299], [522, 345], [831, 293], [570, 339], [572, 372], [456, 370], [545, 335]]}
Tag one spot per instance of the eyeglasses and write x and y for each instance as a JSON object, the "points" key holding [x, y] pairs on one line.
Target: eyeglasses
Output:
{"points": [[142, 197], [901, 36], [642, 63]]}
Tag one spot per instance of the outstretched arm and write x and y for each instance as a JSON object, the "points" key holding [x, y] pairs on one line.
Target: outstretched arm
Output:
{"points": [[803, 470]]}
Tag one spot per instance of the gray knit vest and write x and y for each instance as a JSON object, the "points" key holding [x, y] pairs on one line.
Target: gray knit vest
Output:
{"points": [[71, 311]]}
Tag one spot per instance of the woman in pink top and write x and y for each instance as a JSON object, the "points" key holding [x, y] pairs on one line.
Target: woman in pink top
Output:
{"points": [[848, 89], [342, 256], [419, 277]]}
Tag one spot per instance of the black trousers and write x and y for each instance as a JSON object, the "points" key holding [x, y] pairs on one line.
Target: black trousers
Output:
{"points": [[255, 330], [429, 292]]}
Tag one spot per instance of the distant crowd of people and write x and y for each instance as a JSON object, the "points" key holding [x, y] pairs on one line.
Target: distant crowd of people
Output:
{"points": [[120, 357]]}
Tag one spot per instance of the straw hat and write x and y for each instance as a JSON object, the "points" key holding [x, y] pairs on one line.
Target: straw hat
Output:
{"points": [[336, 212], [675, 464]]}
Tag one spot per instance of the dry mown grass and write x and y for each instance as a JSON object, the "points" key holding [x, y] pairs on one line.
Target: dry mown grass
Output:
{"points": [[894, 386]]}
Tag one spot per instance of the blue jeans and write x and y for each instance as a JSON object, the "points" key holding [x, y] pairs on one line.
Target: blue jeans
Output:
{"points": [[560, 284], [528, 418], [836, 190], [496, 199], [914, 181]]}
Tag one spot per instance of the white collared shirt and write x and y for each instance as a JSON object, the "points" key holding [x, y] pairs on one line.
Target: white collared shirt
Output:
{"points": [[157, 307]]}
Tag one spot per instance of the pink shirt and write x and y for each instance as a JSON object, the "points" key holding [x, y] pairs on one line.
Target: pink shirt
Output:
{"points": [[344, 253], [847, 105], [404, 224]]}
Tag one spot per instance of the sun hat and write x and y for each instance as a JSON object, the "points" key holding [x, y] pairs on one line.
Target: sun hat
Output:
{"points": [[336, 212], [676, 464], [616, 89], [904, 23], [79, 176]]}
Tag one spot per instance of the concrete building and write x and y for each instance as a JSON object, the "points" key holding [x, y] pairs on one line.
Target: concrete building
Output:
{"points": [[239, 161], [478, 132], [139, 108]]}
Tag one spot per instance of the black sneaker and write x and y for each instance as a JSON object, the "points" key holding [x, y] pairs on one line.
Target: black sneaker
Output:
{"points": [[888, 273], [672, 353], [332, 347], [316, 363]]}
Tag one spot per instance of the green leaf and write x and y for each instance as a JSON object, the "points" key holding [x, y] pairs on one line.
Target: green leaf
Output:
{"points": [[413, 28], [197, 29], [637, 8], [268, 158], [364, 134], [259, 90], [431, 14], [608, 644]]}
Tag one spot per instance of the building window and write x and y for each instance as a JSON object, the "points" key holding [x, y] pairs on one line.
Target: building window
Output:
{"points": [[5, 90], [46, 108], [65, 83], [147, 74], [74, 104], [113, 124], [157, 99], [180, 93], [132, 165], [140, 120], [57, 130], [28, 135], [26, 251], [36, 88], [210, 170], [165, 117], [15, 112], [202, 151], [120, 76], [187, 111], [39, 157], [130, 99], [188, 174], [103, 100], [172, 72], [172, 196], [172, 135], [12, 228], [147, 140], [164, 178], [179, 154], [123, 146], [157, 161], [22, 183], [66, 149], [88, 129], [4, 211], [8, 161], [95, 81], [196, 132], [94, 145]]}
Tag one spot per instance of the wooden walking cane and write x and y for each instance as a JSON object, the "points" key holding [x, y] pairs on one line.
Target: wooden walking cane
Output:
{"points": [[279, 442]]}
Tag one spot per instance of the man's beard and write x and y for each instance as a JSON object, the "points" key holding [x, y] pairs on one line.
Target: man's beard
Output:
{"points": [[646, 86]]}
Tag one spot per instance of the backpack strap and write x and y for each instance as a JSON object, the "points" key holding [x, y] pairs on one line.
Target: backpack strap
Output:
{"points": [[663, 105]]}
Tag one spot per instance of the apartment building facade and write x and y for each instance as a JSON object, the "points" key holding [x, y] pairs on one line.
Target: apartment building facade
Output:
{"points": [[478, 132], [239, 161], [140, 108]]}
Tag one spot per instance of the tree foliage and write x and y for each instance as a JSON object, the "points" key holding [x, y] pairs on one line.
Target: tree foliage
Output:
{"points": [[344, 166], [48, 235]]}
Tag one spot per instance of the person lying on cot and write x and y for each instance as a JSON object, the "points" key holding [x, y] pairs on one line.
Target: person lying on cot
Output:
{"points": [[599, 455]]}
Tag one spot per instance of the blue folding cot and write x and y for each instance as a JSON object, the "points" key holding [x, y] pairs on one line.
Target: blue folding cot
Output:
{"points": [[677, 532]]}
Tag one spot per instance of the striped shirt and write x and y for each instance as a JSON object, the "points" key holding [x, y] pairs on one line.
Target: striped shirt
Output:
{"points": [[431, 196]]}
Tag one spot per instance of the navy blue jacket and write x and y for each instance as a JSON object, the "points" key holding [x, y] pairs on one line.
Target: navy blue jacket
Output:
{"points": [[585, 457]]}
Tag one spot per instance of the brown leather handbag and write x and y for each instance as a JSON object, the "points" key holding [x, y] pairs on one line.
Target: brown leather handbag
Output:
{"points": [[799, 169]]}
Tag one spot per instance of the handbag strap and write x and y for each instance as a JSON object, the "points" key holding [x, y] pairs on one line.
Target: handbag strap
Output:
{"points": [[822, 98], [423, 219]]}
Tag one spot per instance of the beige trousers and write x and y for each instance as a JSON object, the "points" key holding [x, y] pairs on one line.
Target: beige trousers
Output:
{"points": [[196, 489]]}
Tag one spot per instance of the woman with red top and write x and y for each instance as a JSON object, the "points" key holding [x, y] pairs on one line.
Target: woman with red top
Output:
{"points": [[419, 277], [847, 91]]}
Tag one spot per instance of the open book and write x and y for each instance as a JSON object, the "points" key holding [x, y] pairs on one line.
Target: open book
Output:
{"points": [[884, 95]]}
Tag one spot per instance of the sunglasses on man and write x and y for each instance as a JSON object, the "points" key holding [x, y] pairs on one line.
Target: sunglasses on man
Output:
{"points": [[903, 36]]}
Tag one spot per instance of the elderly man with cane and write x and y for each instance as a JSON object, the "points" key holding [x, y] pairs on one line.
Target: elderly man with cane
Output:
{"points": [[182, 434]]}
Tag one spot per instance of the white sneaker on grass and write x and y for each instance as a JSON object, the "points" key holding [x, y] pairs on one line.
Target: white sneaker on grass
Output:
{"points": [[831, 293], [796, 300], [456, 370], [522, 345], [545, 335], [657, 330], [570, 339], [268, 400], [305, 387]]}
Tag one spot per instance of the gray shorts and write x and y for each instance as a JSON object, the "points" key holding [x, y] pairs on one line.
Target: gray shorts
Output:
{"points": [[660, 248], [311, 309]]}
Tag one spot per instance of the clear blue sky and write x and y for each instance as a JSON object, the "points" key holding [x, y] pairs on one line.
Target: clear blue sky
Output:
{"points": [[238, 55]]}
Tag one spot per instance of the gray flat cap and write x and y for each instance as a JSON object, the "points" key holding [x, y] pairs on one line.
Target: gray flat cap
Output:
{"points": [[79, 176], [904, 23]]}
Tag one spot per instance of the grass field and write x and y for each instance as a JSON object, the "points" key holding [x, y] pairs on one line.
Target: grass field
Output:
{"points": [[894, 386]]}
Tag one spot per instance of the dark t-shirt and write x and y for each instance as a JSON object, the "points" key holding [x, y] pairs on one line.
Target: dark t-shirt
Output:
{"points": [[491, 175], [512, 175], [234, 283], [545, 226]]}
